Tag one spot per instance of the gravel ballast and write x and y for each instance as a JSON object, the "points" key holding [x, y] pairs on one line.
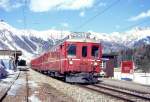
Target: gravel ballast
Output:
{"points": [[126, 84], [77, 93]]}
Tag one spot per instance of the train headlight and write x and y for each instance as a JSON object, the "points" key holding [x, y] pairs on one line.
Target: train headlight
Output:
{"points": [[95, 63], [71, 62]]}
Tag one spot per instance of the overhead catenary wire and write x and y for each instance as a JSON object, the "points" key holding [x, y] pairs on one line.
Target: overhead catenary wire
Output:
{"points": [[98, 14]]}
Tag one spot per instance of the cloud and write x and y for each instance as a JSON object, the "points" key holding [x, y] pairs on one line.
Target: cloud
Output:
{"points": [[8, 5], [4, 4], [66, 25], [82, 14], [20, 21], [17, 5], [46, 5], [102, 4], [53, 27], [99, 5], [140, 16], [117, 26]]}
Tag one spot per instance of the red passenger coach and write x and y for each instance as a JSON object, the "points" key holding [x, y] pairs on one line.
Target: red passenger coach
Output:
{"points": [[77, 58]]}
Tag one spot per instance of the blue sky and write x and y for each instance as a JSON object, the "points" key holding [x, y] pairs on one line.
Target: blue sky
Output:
{"points": [[73, 14]]}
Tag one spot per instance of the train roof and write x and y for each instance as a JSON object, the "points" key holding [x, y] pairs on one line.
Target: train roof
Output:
{"points": [[80, 37], [83, 40], [77, 37]]}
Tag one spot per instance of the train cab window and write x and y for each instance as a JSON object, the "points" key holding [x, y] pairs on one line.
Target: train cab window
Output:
{"points": [[94, 51], [60, 46], [71, 50], [84, 51]]}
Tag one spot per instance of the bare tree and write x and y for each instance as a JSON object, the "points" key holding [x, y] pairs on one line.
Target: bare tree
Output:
{"points": [[142, 57]]}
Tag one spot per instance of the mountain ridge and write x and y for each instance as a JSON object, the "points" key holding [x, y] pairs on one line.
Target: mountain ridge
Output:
{"points": [[32, 42]]}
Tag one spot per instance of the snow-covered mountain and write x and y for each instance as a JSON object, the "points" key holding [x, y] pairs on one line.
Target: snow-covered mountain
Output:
{"points": [[31, 42], [116, 41]]}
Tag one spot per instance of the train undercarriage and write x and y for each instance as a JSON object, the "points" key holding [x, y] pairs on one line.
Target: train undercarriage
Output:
{"points": [[87, 78], [78, 77]]}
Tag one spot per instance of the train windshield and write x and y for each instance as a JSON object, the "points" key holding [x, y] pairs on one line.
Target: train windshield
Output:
{"points": [[71, 50], [94, 51]]}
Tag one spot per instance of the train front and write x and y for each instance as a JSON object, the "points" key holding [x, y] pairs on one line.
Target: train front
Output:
{"points": [[83, 60]]}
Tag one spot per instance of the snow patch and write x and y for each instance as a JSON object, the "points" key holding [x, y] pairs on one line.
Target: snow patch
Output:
{"points": [[141, 78], [34, 98], [17, 86], [32, 83]]}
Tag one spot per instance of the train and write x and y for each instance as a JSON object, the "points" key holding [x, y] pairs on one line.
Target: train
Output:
{"points": [[22, 66], [76, 59]]}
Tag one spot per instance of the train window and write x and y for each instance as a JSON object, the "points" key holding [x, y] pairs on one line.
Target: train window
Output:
{"points": [[61, 46], [71, 50], [84, 51], [94, 51]]}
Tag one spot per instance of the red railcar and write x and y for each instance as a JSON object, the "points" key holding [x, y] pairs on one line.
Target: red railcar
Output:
{"points": [[76, 59]]}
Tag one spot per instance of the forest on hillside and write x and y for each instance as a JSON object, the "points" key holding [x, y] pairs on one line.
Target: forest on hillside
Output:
{"points": [[140, 56]]}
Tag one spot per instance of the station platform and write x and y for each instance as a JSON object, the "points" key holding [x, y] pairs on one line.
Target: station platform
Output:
{"points": [[23, 86]]}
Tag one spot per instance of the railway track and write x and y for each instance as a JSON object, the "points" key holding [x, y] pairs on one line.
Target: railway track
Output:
{"points": [[4, 96], [27, 87], [121, 94], [126, 88]]}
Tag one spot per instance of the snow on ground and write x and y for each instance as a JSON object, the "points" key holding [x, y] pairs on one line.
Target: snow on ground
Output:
{"points": [[141, 78], [34, 98], [6, 82], [3, 72], [10, 77], [18, 84], [33, 84], [10, 71], [7, 63]]}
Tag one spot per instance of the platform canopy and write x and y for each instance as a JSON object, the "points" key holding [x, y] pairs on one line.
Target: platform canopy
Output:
{"points": [[11, 52]]}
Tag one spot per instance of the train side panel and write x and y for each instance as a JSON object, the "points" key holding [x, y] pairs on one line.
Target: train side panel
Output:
{"points": [[57, 60]]}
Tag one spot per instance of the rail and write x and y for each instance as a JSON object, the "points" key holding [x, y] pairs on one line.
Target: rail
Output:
{"points": [[117, 93], [126, 88]]}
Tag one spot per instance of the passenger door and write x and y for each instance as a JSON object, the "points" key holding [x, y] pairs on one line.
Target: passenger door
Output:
{"points": [[84, 57]]}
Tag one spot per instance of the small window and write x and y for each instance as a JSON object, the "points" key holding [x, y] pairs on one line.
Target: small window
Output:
{"points": [[71, 50], [84, 51], [61, 46], [94, 51]]}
